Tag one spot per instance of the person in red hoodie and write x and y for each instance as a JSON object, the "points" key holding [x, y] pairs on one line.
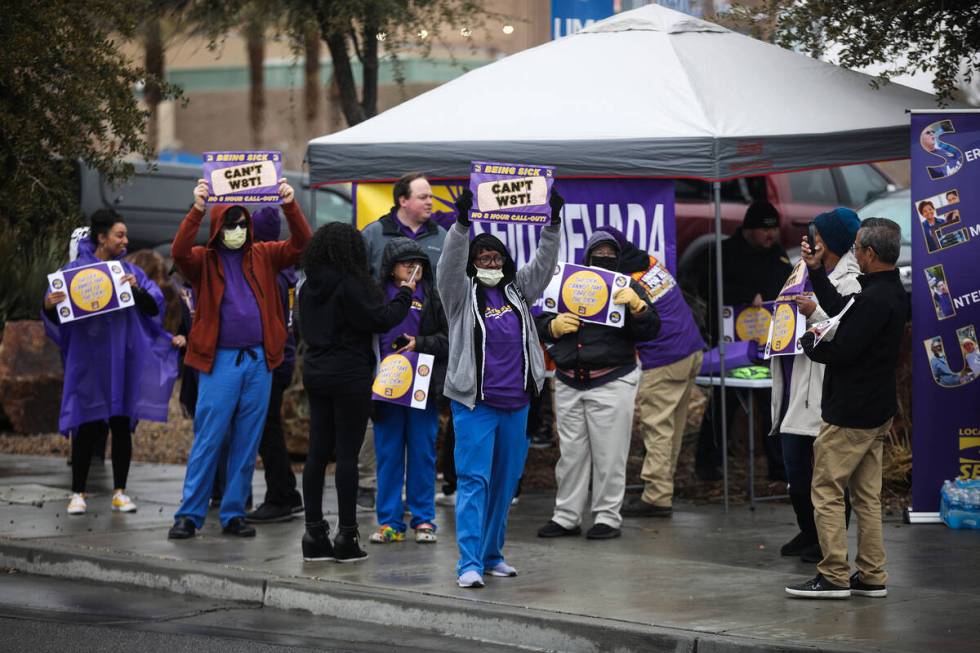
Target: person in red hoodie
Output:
{"points": [[238, 337]]}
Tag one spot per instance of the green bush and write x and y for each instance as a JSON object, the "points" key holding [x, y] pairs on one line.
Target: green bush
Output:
{"points": [[25, 262]]}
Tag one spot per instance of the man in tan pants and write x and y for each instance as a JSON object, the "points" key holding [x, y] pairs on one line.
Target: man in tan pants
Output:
{"points": [[859, 402]]}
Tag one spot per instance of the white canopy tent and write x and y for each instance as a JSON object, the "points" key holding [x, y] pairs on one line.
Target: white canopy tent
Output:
{"points": [[647, 93]]}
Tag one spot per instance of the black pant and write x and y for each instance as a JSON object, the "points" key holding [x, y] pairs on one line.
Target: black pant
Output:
{"points": [[89, 435], [798, 459], [709, 438], [280, 482], [337, 424]]}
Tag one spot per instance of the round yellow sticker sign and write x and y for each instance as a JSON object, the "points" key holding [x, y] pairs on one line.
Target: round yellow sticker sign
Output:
{"points": [[784, 329], [753, 324], [91, 289], [394, 377], [585, 293]]}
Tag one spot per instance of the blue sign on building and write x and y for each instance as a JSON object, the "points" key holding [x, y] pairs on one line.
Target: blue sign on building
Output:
{"points": [[571, 16]]}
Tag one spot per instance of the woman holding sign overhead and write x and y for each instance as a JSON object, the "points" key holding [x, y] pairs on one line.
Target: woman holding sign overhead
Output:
{"points": [[495, 366], [119, 365], [403, 432], [341, 308]]}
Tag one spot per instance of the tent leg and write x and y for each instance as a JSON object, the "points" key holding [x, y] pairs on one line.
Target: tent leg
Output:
{"points": [[721, 339]]}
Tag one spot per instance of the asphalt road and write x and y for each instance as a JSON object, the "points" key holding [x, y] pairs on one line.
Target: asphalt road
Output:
{"points": [[48, 615]]}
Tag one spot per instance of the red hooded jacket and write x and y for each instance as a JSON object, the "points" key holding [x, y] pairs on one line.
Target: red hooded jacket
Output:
{"points": [[201, 266]]}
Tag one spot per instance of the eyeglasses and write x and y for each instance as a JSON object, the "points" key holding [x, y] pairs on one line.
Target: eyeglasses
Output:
{"points": [[235, 225], [489, 259], [855, 247]]}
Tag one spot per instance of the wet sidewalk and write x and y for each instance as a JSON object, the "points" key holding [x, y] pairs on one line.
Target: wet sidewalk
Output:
{"points": [[701, 581]]}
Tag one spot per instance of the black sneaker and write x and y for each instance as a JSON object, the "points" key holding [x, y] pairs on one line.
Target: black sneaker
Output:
{"points": [[602, 532], [182, 529], [818, 587], [554, 529], [637, 507], [860, 588], [236, 526], [709, 473], [347, 546], [365, 498], [316, 542], [797, 545], [541, 441], [269, 513], [297, 509], [812, 553]]}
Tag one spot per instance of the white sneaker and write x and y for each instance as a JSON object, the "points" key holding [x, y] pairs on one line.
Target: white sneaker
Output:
{"points": [[515, 501], [122, 503], [77, 506], [503, 570], [447, 500], [470, 579]]}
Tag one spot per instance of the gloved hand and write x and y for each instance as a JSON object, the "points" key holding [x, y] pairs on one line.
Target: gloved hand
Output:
{"points": [[563, 324], [556, 201], [463, 205], [806, 342], [629, 296]]}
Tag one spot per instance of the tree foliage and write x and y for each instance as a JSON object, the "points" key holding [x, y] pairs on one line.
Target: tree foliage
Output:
{"points": [[907, 36]]}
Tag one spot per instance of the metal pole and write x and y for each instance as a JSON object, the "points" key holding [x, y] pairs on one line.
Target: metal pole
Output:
{"points": [[721, 340]]}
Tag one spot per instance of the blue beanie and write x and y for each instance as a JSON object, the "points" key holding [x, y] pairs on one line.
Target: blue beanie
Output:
{"points": [[838, 228]]}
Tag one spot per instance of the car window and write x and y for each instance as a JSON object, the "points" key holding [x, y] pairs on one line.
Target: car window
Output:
{"points": [[862, 183], [894, 206], [815, 186], [331, 207]]}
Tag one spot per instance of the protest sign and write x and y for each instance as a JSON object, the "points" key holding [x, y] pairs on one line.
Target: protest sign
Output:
{"points": [[243, 177], [785, 330], [746, 322], [587, 293], [403, 379], [945, 242], [91, 290], [824, 328], [797, 283], [511, 192]]}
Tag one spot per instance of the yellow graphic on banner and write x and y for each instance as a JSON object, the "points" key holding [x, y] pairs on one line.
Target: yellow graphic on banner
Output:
{"points": [[784, 330], [375, 200], [585, 293], [753, 324], [394, 377], [91, 290], [969, 457]]}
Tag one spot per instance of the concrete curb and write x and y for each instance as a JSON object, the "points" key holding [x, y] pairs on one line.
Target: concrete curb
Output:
{"points": [[526, 628]]}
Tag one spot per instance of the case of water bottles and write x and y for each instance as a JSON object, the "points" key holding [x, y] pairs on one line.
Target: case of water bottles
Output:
{"points": [[959, 504]]}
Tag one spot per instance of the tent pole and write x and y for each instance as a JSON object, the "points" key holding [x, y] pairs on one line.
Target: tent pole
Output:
{"points": [[721, 340]]}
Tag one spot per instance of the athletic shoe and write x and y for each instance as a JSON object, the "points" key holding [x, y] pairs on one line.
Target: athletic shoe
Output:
{"points": [[818, 587], [316, 543], [386, 534], [365, 498], [122, 503], [602, 532], [554, 529], [297, 509], [236, 526], [269, 513], [425, 533], [503, 570], [77, 506], [797, 545], [541, 441], [182, 529], [860, 588], [447, 500], [347, 546], [637, 507], [470, 579], [515, 501]]}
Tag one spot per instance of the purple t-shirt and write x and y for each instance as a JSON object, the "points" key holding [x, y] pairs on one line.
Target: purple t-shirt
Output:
{"points": [[679, 336], [409, 325], [407, 231], [503, 364], [241, 322]]}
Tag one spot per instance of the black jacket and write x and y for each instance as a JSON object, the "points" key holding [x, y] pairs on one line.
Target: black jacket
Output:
{"points": [[859, 383], [433, 336], [598, 347], [339, 315]]}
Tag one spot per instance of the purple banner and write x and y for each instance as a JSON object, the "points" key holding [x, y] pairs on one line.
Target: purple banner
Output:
{"points": [[243, 177], [91, 290], [403, 379], [510, 192], [586, 292], [945, 208]]}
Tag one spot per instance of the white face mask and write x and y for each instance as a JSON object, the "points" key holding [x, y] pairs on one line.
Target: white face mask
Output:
{"points": [[234, 238], [489, 277]]}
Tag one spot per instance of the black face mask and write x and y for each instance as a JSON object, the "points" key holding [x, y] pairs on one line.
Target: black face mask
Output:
{"points": [[604, 262]]}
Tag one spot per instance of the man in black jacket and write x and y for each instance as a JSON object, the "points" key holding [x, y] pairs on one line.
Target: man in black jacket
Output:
{"points": [[859, 402], [595, 391]]}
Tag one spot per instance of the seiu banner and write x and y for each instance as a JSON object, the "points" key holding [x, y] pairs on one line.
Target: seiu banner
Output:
{"points": [[945, 301], [643, 209]]}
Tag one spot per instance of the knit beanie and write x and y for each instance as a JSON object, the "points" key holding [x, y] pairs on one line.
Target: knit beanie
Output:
{"points": [[838, 228], [760, 215]]}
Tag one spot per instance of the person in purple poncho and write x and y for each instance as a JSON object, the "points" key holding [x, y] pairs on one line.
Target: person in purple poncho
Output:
{"points": [[120, 366]]}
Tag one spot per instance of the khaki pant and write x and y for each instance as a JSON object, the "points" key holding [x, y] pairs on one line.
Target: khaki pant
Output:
{"points": [[662, 402], [849, 458], [594, 429]]}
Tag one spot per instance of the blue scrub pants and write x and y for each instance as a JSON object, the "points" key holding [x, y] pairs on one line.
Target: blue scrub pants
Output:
{"points": [[401, 430], [491, 447], [232, 402]]}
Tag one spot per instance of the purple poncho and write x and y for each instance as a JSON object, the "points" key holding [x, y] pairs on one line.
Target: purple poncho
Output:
{"points": [[119, 363]]}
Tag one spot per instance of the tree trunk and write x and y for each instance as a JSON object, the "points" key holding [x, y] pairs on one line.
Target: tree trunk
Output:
{"points": [[369, 61], [154, 64], [255, 46], [343, 75], [311, 78]]}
